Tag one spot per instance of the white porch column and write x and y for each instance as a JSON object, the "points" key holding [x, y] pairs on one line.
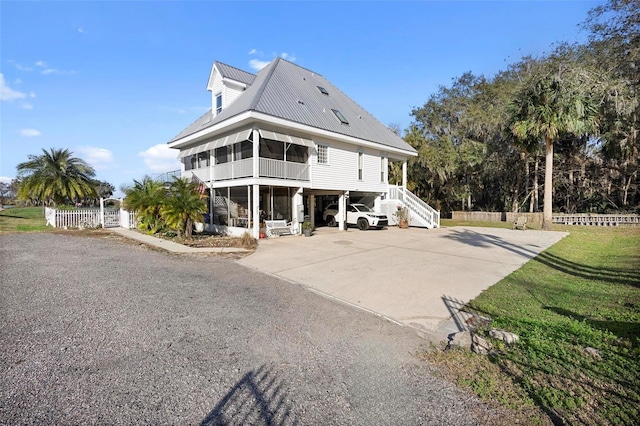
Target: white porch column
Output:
{"points": [[298, 210], [312, 209], [256, 211], [377, 203], [342, 211], [256, 188], [256, 154], [404, 174], [212, 158]]}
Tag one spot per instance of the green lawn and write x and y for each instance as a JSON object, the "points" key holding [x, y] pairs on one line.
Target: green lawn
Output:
{"points": [[583, 292], [22, 219]]}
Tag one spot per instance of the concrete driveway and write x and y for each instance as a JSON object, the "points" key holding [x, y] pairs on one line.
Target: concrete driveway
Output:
{"points": [[416, 277]]}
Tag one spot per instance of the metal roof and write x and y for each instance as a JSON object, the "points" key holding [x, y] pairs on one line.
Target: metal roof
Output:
{"points": [[285, 90], [234, 73]]}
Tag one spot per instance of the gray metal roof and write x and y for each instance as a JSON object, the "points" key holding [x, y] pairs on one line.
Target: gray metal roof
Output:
{"points": [[235, 73], [285, 90]]}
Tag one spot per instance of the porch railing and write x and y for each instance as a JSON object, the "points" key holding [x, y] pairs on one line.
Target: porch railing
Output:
{"points": [[283, 169], [233, 169], [419, 207], [244, 168]]}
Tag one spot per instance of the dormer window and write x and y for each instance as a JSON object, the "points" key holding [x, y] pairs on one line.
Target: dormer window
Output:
{"points": [[340, 117], [323, 90], [218, 103]]}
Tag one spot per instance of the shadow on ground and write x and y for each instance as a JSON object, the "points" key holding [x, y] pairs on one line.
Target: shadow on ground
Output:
{"points": [[464, 316], [258, 398]]}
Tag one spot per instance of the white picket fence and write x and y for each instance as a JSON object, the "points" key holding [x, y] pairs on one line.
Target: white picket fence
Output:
{"points": [[89, 218]]}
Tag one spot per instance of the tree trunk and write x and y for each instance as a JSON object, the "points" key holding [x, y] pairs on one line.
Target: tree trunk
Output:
{"points": [[188, 228], [536, 186], [547, 215]]}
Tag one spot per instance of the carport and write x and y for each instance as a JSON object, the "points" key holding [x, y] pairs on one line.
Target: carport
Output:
{"points": [[316, 200]]}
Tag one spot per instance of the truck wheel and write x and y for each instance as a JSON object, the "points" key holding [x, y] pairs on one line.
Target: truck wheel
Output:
{"points": [[363, 224], [331, 221]]}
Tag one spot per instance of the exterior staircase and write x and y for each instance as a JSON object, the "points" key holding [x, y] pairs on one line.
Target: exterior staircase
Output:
{"points": [[421, 214]]}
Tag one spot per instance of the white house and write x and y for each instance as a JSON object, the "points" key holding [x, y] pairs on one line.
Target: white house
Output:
{"points": [[283, 144]]}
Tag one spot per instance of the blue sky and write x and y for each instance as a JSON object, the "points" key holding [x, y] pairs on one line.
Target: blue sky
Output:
{"points": [[114, 81]]}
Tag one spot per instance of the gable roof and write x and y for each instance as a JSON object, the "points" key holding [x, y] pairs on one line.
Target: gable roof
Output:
{"points": [[233, 73], [285, 90]]}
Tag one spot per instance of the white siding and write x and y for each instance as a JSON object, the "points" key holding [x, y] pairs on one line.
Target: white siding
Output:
{"points": [[231, 92], [342, 171], [216, 87]]}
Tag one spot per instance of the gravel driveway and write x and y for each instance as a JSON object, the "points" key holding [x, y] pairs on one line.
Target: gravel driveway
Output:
{"points": [[98, 331]]}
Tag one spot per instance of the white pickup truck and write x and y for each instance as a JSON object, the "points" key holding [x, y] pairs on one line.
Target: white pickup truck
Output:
{"points": [[357, 215]]}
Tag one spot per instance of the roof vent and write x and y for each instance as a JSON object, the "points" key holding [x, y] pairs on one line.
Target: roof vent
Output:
{"points": [[360, 117], [300, 101], [304, 79]]}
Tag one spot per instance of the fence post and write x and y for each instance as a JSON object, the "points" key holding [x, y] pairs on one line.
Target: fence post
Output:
{"points": [[102, 211]]}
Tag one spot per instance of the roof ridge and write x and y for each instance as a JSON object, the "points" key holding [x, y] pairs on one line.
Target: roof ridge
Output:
{"points": [[300, 66], [260, 91], [231, 66]]}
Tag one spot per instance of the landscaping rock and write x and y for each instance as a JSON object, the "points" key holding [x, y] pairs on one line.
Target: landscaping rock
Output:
{"points": [[461, 339], [593, 352], [480, 345], [506, 336]]}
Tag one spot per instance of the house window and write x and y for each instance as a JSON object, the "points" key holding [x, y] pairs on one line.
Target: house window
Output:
{"points": [[323, 90], [382, 169], [223, 154], [297, 153], [243, 150], [203, 159], [360, 164], [271, 149], [323, 154], [340, 117], [189, 162], [218, 103]]}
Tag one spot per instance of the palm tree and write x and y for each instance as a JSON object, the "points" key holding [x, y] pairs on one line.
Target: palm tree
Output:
{"points": [[145, 198], [554, 104], [56, 176], [183, 205]]}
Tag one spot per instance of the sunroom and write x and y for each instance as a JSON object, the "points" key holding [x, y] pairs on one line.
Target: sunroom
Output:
{"points": [[278, 155]]}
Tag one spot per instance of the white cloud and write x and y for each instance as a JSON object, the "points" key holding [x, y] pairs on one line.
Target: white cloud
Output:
{"points": [[48, 71], [160, 158], [19, 67], [26, 105], [98, 158], [80, 30], [30, 133], [5, 179], [257, 64], [7, 93], [41, 64]]}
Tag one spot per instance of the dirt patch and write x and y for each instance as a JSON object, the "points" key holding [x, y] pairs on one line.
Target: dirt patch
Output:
{"points": [[209, 240]]}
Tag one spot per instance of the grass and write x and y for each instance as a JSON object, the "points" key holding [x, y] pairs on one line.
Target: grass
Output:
{"points": [[25, 219], [583, 292]]}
